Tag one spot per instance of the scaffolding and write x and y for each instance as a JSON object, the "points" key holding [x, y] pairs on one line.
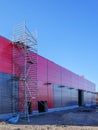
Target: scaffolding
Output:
{"points": [[24, 69]]}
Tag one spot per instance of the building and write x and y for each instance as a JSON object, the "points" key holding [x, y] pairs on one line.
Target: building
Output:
{"points": [[50, 86]]}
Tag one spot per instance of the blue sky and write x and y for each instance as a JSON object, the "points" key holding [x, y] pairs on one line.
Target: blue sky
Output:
{"points": [[67, 30]]}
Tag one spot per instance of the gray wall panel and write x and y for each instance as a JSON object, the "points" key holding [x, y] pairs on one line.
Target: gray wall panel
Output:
{"points": [[64, 96], [89, 98], [6, 94], [57, 96]]}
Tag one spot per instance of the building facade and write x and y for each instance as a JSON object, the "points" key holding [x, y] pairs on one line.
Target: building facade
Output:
{"points": [[55, 86]]}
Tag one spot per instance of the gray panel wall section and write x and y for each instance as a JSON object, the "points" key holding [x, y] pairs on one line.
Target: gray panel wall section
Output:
{"points": [[89, 98], [65, 96], [57, 96], [8, 94]]}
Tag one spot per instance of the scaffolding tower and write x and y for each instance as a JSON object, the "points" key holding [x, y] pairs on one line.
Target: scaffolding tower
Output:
{"points": [[24, 69]]}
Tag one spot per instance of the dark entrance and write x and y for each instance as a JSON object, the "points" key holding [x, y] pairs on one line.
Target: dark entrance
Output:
{"points": [[29, 108], [42, 106], [80, 97]]}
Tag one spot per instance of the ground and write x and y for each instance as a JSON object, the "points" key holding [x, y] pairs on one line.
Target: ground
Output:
{"points": [[77, 119]]}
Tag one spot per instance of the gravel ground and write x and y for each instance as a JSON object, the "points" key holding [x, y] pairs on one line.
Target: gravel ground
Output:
{"points": [[77, 119]]}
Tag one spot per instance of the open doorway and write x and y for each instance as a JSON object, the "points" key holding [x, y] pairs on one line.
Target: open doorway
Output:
{"points": [[42, 106], [29, 107], [80, 97]]}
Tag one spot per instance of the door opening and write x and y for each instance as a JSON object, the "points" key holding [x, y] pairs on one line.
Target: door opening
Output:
{"points": [[29, 107], [42, 106], [80, 97]]}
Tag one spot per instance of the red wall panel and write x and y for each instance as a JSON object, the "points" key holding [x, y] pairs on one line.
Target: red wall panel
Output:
{"points": [[5, 55], [47, 72], [56, 74], [42, 69]]}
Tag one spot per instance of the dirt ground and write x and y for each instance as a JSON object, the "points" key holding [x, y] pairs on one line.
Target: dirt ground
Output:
{"points": [[77, 119]]}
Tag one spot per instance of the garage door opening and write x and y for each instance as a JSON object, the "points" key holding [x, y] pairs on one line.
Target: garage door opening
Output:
{"points": [[80, 97], [42, 106]]}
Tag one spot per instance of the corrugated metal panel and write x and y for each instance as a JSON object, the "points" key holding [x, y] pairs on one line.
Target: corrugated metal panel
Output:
{"points": [[7, 97], [64, 96], [47, 72], [89, 98], [5, 55], [54, 73], [59, 75], [57, 96]]}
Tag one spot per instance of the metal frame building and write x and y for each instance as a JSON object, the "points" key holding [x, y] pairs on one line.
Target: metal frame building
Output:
{"points": [[50, 86]]}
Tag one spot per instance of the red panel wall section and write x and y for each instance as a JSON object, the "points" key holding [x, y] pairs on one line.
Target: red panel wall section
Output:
{"points": [[54, 77], [50, 96], [71, 79], [54, 73], [45, 91], [48, 72], [42, 79], [31, 73], [42, 69], [5, 55], [18, 60], [32, 79]]}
